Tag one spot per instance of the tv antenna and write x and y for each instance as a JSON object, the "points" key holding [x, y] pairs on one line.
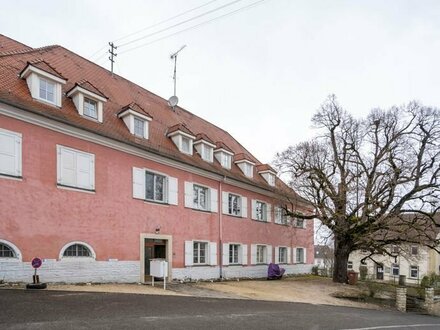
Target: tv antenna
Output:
{"points": [[173, 100]]}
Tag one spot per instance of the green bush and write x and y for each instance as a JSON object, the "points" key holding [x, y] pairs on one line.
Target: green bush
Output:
{"points": [[315, 270], [430, 281]]}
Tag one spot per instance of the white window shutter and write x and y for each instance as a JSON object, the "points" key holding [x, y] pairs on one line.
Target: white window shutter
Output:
{"points": [[214, 199], [10, 153], [189, 201], [304, 223], [305, 255], [212, 253], [225, 202], [269, 212], [253, 254], [269, 253], [289, 255], [189, 250], [18, 148], [225, 254], [294, 255], [173, 190], [85, 168], [67, 167], [138, 183], [277, 255], [244, 254], [244, 207], [254, 209]]}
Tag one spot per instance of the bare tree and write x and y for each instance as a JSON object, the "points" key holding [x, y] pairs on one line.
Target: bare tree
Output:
{"points": [[374, 181]]}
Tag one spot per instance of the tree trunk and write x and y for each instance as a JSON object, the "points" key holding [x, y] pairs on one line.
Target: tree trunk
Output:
{"points": [[342, 252]]}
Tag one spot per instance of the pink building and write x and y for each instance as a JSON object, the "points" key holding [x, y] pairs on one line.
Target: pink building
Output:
{"points": [[98, 176]]}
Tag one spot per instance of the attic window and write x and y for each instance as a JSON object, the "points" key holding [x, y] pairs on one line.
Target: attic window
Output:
{"points": [[268, 173], [88, 100], [205, 147], [90, 108], [245, 164], [224, 155], [136, 119], [47, 90], [186, 145], [182, 137], [139, 127]]}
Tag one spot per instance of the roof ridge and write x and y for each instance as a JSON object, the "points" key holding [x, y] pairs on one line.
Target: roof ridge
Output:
{"points": [[26, 51]]}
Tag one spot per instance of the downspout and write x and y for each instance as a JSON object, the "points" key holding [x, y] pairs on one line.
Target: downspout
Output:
{"points": [[220, 226]]}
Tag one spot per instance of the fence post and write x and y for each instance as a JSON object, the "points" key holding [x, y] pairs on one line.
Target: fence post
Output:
{"points": [[429, 300], [401, 299]]}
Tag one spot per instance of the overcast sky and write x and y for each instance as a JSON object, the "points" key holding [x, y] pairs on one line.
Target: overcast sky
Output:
{"points": [[262, 72]]}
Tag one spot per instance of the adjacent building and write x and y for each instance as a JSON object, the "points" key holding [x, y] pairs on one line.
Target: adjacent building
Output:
{"points": [[98, 176]]}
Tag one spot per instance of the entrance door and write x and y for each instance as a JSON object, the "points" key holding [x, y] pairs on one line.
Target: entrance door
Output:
{"points": [[154, 249], [379, 272]]}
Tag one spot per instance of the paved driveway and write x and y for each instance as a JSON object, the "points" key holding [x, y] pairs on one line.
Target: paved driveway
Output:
{"points": [[21, 309]]}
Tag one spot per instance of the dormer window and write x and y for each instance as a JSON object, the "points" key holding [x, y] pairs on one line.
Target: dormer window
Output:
{"points": [[245, 163], [88, 100], [182, 137], [205, 147], [44, 82], [136, 119], [268, 174], [223, 155]]}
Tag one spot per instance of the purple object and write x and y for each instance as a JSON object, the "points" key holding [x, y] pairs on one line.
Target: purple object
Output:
{"points": [[274, 272]]}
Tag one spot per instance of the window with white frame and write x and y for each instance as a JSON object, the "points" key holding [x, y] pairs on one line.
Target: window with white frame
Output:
{"points": [[248, 170], [226, 160], [414, 271], [271, 179], [75, 168], [90, 108], [155, 187], [77, 250], [200, 197], [186, 145], [280, 216], [282, 255], [395, 269], [10, 153], [414, 250], [234, 254], [200, 250], [299, 223], [234, 204], [6, 251], [350, 265], [260, 211], [47, 90], [300, 255], [261, 254], [139, 127], [206, 152]]}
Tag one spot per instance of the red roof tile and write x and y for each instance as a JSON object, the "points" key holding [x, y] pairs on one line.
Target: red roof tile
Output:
{"points": [[10, 45], [203, 136], [180, 127], [221, 145], [136, 108], [243, 156], [265, 167], [46, 67], [87, 85]]}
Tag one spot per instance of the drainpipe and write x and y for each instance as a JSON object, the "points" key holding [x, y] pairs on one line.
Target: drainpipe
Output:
{"points": [[220, 226]]}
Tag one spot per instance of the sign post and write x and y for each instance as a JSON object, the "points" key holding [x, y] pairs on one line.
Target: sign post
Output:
{"points": [[36, 263]]}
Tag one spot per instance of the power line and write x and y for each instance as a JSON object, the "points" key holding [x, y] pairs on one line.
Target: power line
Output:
{"points": [[180, 23], [165, 20], [95, 53], [195, 26]]}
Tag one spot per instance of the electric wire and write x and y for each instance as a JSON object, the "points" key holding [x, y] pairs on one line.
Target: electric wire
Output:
{"points": [[195, 26], [180, 23]]}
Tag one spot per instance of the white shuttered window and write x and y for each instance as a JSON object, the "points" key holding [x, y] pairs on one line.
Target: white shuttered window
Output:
{"points": [[155, 187], [10, 153], [75, 168]]}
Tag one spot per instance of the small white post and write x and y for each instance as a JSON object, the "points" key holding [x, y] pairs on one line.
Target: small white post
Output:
{"points": [[152, 280], [164, 277]]}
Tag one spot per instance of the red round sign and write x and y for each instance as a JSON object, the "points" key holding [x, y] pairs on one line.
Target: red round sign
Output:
{"points": [[36, 262]]}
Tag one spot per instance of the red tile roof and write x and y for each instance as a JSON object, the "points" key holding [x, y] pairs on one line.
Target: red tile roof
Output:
{"points": [[136, 108], [87, 85], [120, 92], [180, 127], [265, 167], [11, 45], [203, 136], [243, 156], [46, 67], [221, 145]]}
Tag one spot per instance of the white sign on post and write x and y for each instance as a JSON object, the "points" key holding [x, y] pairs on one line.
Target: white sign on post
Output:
{"points": [[159, 268]]}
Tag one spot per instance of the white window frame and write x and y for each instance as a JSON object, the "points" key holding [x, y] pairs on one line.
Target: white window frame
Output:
{"points": [[300, 223], [164, 187], [196, 190], [90, 101], [142, 123], [196, 258], [226, 160], [413, 268], [17, 171], [16, 251], [301, 260], [248, 170], [88, 246], [207, 153], [190, 143], [261, 254], [261, 211], [54, 86], [280, 217], [75, 185], [239, 206], [236, 251], [280, 255], [395, 267]]}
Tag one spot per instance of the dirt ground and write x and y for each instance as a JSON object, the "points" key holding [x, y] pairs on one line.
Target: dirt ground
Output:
{"points": [[305, 289]]}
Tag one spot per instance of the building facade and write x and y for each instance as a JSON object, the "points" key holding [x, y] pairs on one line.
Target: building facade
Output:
{"points": [[98, 176]]}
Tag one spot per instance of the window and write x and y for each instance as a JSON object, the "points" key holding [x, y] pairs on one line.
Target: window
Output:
{"points": [[261, 254], [75, 168], [47, 90], [280, 216], [90, 108], [271, 179], [233, 254], [395, 249], [155, 187], [234, 204], [395, 269], [200, 252], [200, 196], [6, 251], [260, 211], [10, 153], [77, 250], [186, 145], [139, 127], [299, 223], [300, 255], [206, 152], [414, 250], [282, 255], [248, 170], [350, 265], [414, 272], [226, 160]]}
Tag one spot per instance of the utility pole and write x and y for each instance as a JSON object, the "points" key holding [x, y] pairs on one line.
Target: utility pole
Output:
{"points": [[112, 54]]}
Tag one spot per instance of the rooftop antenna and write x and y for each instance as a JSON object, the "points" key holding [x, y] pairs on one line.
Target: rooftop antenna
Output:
{"points": [[112, 54], [173, 100]]}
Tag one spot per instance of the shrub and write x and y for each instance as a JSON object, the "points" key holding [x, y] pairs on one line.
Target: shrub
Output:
{"points": [[315, 270]]}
